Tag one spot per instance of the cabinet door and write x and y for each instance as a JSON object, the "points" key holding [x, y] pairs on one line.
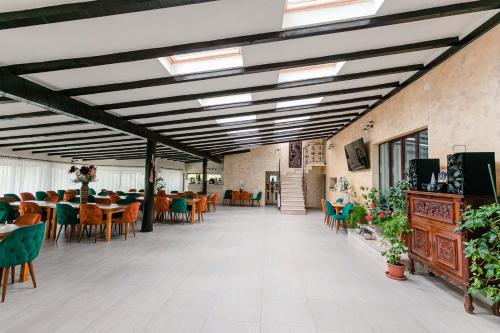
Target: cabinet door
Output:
{"points": [[421, 240], [447, 251]]}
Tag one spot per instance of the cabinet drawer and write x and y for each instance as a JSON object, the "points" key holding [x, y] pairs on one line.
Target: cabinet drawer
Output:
{"points": [[438, 210], [447, 251], [421, 240]]}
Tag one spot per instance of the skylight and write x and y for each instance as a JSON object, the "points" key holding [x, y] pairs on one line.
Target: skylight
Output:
{"points": [[243, 131], [236, 119], [309, 12], [203, 61], [289, 120], [310, 72], [289, 130], [225, 100], [299, 102]]}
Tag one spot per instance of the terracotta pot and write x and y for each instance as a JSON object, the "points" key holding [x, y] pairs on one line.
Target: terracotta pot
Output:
{"points": [[396, 271]]}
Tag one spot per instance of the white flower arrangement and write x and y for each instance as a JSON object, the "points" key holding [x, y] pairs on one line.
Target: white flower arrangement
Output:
{"points": [[343, 185]]}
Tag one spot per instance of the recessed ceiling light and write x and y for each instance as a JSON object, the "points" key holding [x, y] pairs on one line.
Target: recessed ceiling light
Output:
{"points": [[289, 130], [243, 131], [310, 72], [236, 119], [299, 5], [289, 120], [204, 55], [299, 102], [225, 99]]}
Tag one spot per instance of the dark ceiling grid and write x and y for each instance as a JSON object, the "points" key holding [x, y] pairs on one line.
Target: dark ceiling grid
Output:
{"points": [[121, 142], [269, 37], [58, 140]]}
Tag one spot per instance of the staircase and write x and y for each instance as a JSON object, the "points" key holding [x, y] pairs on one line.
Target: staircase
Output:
{"points": [[292, 196]]}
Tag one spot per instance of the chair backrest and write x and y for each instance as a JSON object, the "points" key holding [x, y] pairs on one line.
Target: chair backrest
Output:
{"points": [[27, 196], [102, 193], [141, 190], [228, 194], [323, 207], [13, 196], [21, 245], [340, 200], [71, 191], [78, 191], [161, 194], [202, 204], [259, 196], [120, 193], [41, 195], [28, 219], [29, 208], [68, 196], [131, 213], [60, 194], [215, 198], [245, 196], [330, 210], [90, 214], [133, 195], [51, 193], [7, 210], [91, 199], [4, 217], [7, 199], [346, 210], [114, 198], [235, 195], [179, 205], [127, 200], [66, 214], [91, 191], [162, 204], [52, 198], [174, 192], [103, 201], [132, 190]]}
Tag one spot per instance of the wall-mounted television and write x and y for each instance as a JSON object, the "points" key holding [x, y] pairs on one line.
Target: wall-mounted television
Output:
{"points": [[357, 155]]}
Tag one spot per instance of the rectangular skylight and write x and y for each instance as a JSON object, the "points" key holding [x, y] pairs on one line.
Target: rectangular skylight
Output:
{"points": [[298, 5], [289, 120], [289, 130], [299, 102], [225, 100], [203, 61], [236, 119], [243, 131], [310, 72]]}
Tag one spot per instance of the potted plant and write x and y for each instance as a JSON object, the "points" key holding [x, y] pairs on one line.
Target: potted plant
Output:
{"points": [[483, 251], [160, 184], [344, 185], [84, 175], [392, 230]]}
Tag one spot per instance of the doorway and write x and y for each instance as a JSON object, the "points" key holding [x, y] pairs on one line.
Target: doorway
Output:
{"points": [[272, 187]]}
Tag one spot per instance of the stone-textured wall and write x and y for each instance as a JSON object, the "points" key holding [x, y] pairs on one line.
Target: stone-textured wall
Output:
{"points": [[459, 103]]}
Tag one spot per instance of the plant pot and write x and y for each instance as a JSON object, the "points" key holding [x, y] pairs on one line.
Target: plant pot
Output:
{"points": [[84, 193], [396, 271]]}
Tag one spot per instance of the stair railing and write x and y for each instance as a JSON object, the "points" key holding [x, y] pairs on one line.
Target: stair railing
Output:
{"points": [[279, 182]]}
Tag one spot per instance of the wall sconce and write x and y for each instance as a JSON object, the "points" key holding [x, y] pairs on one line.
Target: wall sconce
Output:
{"points": [[368, 126]]}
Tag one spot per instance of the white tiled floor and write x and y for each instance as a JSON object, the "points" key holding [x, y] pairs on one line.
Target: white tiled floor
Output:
{"points": [[245, 270]]}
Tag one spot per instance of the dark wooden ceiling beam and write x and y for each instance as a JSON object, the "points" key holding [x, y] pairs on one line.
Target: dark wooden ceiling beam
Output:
{"points": [[121, 148], [37, 135], [22, 89], [59, 139], [122, 154], [265, 112], [89, 145], [26, 115], [262, 38], [389, 85], [84, 10], [263, 68], [64, 123], [114, 151]]}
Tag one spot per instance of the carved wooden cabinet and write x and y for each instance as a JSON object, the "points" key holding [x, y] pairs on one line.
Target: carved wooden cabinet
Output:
{"points": [[433, 218]]}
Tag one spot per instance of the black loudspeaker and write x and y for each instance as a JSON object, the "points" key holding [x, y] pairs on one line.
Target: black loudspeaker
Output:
{"points": [[420, 172], [468, 173]]}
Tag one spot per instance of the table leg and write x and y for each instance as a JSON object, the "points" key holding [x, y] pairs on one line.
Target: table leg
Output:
{"points": [[199, 211], [25, 273], [193, 211], [54, 223], [48, 225], [108, 226]]}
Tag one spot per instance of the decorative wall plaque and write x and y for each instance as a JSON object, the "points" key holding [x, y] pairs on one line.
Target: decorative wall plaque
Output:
{"points": [[442, 211], [295, 154]]}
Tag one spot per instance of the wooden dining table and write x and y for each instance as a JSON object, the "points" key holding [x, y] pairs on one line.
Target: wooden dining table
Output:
{"points": [[338, 207], [193, 203]]}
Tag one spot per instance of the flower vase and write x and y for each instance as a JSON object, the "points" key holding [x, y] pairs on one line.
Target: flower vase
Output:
{"points": [[345, 197], [84, 193]]}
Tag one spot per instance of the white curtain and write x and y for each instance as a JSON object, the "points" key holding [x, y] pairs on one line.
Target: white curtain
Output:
{"points": [[24, 175]]}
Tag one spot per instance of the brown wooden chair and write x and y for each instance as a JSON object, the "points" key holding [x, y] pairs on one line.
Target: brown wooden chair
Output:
{"points": [[52, 198], [51, 193], [90, 215], [235, 197], [111, 193], [129, 217], [27, 196], [28, 219], [7, 199], [245, 198], [162, 208], [103, 201], [29, 208]]}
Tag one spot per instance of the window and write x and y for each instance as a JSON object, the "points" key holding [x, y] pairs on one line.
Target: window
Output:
{"points": [[298, 5], [395, 156], [309, 72], [243, 98], [299, 102]]}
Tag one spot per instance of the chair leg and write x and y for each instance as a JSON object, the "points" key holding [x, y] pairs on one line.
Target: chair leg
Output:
{"points": [[82, 230], [133, 228], [95, 234], [5, 281], [59, 233], [12, 274], [32, 273], [126, 231], [337, 226]]}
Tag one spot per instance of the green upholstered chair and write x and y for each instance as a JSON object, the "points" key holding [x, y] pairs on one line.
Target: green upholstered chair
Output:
{"points": [[174, 192], [330, 211], [92, 191], [77, 191], [19, 247], [103, 193], [75, 200], [200, 193], [337, 219], [179, 208], [40, 195], [60, 194], [135, 195], [91, 199], [7, 213], [13, 196], [127, 200], [339, 200], [257, 198], [141, 191], [120, 193], [228, 195], [188, 196], [66, 215]]}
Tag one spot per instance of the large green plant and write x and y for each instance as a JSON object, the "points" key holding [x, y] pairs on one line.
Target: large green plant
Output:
{"points": [[392, 230], [483, 250], [356, 215], [396, 198]]}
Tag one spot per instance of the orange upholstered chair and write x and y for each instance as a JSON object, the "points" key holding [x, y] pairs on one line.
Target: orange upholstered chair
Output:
{"points": [[235, 197], [202, 205], [245, 197], [162, 208], [110, 193], [161, 194], [29, 208], [103, 201], [90, 215], [52, 198], [7, 199], [27, 196], [132, 190], [215, 201], [114, 198], [68, 196], [71, 191], [129, 217], [51, 193], [28, 219]]}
